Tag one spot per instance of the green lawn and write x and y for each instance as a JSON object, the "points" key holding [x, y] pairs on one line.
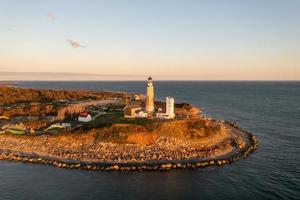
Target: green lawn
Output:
{"points": [[106, 119], [118, 118]]}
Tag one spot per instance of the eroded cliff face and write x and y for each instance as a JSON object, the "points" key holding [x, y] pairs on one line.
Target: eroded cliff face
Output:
{"points": [[193, 130], [197, 131]]}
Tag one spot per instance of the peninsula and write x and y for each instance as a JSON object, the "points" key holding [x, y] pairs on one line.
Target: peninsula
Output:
{"points": [[108, 131]]}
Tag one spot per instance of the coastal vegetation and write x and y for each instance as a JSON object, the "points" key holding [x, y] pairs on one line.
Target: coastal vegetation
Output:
{"points": [[12, 95]]}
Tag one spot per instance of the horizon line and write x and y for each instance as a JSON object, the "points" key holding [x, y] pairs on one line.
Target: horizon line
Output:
{"points": [[158, 80], [68, 76]]}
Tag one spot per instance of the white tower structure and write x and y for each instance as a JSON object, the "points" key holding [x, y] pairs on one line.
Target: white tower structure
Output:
{"points": [[170, 107], [150, 96]]}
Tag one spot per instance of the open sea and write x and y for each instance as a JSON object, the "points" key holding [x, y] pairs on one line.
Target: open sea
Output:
{"points": [[270, 110]]}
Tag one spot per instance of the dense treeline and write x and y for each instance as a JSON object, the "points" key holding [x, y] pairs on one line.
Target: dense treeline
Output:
{"points": [[9, 95], [35, 110]]}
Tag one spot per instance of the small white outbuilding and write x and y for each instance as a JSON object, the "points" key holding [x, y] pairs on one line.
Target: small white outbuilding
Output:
{"points": [[84, 117]]}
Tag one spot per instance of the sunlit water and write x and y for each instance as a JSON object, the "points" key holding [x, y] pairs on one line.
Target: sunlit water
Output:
{"points": [[271, 110]]}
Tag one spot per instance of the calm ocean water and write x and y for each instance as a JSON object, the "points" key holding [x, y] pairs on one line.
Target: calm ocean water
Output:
{"points": [[271, 110]]}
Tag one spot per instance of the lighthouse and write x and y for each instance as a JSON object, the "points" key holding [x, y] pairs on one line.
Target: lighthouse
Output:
{"points": [[150, 96]]}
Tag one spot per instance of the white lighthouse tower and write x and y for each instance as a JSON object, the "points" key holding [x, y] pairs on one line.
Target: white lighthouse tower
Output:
{"points": [[150, 96]]}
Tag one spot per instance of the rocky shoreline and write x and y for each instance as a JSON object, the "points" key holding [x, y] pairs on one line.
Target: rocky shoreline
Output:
{"points": [[141, 165]]}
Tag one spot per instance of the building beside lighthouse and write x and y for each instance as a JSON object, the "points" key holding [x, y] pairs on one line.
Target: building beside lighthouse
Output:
{"points": [[150, 96], [170, 113]]}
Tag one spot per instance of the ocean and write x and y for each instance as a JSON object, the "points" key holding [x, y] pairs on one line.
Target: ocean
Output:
{"points": [[270, 110]]}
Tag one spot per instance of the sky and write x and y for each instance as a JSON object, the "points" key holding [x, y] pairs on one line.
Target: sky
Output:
{"points": [[132, 39]]}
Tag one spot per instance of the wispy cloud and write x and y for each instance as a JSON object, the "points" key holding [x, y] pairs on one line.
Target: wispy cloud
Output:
{"points": [[11, 29], [51, 16], [75, 44]]}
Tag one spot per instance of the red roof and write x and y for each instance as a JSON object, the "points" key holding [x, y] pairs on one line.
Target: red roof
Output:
{"points": [[84, 114]]}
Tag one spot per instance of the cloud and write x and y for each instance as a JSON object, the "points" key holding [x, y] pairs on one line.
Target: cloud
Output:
{"points": [[75, 44], [51, 16], [11, 29]]}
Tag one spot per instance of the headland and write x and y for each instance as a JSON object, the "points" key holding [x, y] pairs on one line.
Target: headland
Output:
{"points": [[91, 130]]}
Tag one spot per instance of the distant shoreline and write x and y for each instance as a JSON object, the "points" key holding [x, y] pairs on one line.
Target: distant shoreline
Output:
{"points": [[159, 80]]}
